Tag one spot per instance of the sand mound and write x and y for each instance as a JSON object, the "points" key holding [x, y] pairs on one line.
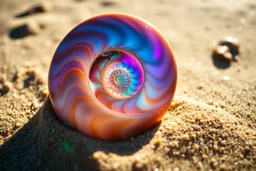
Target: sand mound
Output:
{"points": [[190, 131], [193, 133]]}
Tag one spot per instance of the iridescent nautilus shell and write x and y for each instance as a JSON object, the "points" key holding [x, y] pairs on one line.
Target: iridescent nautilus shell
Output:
{"points": [[112, 77]]}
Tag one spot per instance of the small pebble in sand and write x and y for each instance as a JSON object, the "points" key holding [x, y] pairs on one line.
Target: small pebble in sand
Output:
{"points": [[250, 124], [200, 86], [29, 28], [19, 84], [7, 87], [193, 135], [221, 149], [210, 102], [215, 147], [109, 2], [138, 165], [185, 137], [214, 162], [204, 156], [43, 7], [45, 93], [222, 105], [222, 52], [227, 49], [18, 124], [158, 142], [35, 105], [32, 27]]}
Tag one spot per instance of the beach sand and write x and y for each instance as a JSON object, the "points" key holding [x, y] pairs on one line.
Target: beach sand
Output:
{"points": [[210, 124]]}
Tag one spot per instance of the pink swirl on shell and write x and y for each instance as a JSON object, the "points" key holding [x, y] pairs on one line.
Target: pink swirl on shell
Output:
{"points": [[112, 77]]}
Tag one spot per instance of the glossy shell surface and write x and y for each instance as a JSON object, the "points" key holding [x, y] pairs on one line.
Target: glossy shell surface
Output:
{"points": [[112, 77]]}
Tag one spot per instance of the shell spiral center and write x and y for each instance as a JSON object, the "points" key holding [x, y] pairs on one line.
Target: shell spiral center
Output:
{"points": [[116, 74]]}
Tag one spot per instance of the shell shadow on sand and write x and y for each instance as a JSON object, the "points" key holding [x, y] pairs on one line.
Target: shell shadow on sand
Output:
{"points": [[44, 142]]}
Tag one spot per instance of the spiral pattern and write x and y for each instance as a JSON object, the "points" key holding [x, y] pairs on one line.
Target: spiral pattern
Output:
{"points": [[112, 77]]}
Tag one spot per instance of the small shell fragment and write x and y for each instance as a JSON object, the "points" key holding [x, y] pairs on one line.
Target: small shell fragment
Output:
{"points": [[227, 49], [222, 52]]}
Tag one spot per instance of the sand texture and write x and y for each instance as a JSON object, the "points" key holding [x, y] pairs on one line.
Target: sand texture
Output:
{"points": [[210, 124]]}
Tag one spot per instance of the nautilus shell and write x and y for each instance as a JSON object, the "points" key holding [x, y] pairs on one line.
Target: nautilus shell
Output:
{"points": [[112, 77]]}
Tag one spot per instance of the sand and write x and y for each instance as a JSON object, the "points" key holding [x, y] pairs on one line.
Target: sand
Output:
{"points": [[210, 125]]}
